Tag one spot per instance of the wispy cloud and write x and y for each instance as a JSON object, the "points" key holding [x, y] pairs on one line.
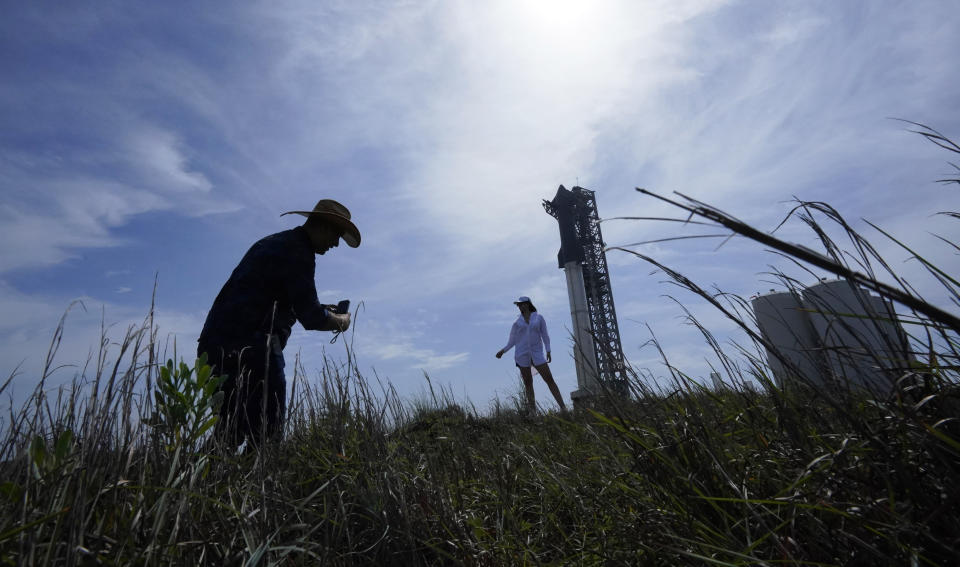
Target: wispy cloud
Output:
{"points": [[426, 359], [80, 214], [405, 342], [159, 154]]}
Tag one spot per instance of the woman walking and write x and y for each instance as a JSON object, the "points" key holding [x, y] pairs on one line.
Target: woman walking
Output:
{"points": [[529, 335]]}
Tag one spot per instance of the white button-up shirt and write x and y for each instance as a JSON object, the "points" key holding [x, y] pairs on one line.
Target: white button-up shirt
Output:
{"points": [[530, 338]]}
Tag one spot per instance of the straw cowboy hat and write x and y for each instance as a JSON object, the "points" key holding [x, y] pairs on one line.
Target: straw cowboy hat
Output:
{"points": [[337, 215]]}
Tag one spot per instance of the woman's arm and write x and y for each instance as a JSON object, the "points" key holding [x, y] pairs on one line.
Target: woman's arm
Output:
{"points": [[511, 340]]}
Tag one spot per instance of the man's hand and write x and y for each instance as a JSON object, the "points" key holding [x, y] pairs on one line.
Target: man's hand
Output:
{"points": [[548, 356], [337, 321], [499, 353]]}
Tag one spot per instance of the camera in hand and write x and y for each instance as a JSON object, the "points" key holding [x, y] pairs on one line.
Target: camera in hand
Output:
{"points": [[343, 307]]}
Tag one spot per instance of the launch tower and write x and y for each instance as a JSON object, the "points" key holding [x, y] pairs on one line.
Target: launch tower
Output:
{"points": [[598, 353]]}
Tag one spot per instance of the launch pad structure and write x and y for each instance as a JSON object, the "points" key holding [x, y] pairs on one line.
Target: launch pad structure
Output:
{"points": [[598, 354]]}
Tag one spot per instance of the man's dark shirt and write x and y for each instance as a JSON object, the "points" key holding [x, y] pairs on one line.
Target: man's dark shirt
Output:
{"points": [[267, 292]]}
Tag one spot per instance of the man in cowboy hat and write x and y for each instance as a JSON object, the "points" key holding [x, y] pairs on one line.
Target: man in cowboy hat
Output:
{"points": [[250, 321]]}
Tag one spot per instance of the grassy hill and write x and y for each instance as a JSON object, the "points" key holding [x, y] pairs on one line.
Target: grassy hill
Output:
{"points": [[738, 477]]}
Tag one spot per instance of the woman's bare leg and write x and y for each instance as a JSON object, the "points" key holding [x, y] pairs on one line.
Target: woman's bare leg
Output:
{"points": [[527, 376], [544, 371]]}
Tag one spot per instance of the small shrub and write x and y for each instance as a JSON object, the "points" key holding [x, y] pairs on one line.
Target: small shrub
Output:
{"points": [[186, 402]]}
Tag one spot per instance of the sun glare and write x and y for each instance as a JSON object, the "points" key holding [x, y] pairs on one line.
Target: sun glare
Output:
{"points": [[560, 18], [561, 33]]}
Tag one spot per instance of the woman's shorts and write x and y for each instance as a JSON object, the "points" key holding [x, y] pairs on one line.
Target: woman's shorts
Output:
{"points": [[533, 359]]}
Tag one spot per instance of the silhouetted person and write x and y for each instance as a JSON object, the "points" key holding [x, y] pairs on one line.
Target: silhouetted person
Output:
{"points": [[529, 335], [250, 321]]}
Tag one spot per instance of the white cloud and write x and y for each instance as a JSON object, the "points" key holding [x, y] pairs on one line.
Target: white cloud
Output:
{"points": [[80, 214], [160, 156], [407, 346], [791, 30], [425, 359], [436, 362], [58, 207]]}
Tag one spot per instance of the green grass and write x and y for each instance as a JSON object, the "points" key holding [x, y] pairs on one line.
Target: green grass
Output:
{"points": [[122, 470], [734, 478]]}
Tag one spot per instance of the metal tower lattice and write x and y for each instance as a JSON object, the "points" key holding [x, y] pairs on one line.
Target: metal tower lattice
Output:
{"points": [[581, 240]]}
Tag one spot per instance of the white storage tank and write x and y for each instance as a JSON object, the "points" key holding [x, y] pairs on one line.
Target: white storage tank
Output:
{"points": [[863, 344], [787, 328]]}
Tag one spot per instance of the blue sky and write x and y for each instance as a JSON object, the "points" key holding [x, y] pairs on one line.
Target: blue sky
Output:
{"points": [[143, 140]]}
